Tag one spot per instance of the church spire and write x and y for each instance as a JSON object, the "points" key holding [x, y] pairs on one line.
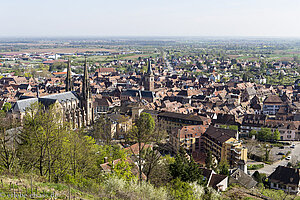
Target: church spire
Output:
{"points": [[85, 84], [149, 72], [69, 78]]}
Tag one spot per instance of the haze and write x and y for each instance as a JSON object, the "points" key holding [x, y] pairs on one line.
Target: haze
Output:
{"points": [[35, 18]]}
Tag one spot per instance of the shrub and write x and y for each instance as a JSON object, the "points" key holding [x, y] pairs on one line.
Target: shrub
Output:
{"points": [[255, 167]]}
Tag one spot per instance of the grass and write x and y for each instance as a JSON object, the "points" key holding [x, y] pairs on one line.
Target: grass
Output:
{"points": [[21, 188]]}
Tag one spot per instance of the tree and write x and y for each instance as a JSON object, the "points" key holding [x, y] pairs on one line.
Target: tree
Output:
{"points": [[152, 155], [267, 153], [102, 130], [264, 134], [181, 190], [209, 160], [276, 135], [161, 174], [42, 139], [186, 169], [223, 168], [6, 107], [252, 132], [8, 142], [123, 169], [233, 127], [142, 133], [245, 77]]}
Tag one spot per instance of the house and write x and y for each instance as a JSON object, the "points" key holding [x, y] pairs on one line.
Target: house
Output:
{"points": [[120, 125], [217, 181], [272, 104], [289, 130], [238, 176], [104, 71], [252, 122], [286, 179]]}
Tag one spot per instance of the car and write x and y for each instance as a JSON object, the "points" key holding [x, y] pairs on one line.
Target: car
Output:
{"points": [[282, 147], [292, 146], [288, 158], [280, 153]]}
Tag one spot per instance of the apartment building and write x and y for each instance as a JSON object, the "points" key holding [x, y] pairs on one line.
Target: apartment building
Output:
{"points": [[224, 145], [188, 137]]}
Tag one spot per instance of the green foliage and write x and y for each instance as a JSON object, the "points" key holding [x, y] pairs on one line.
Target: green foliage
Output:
{"points": [[123, 169], [186, 169], [116, 188], [276, 135], [102, 130], [142, 133], [50, 148], [277, 194], [253, 132], [109, 152], [181, 190], [255, 167], [265, 134], [209, 160], [259, 177], [223, 168], [58, 66], [233, 127], [6, 107]]}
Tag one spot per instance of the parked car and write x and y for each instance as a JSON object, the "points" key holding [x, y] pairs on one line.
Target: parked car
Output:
{"points": [[292, 146], [282, 147], [280, 153], [288, 158]]}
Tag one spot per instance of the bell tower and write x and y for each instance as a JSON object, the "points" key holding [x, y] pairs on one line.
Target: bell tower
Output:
{"points": [[149, 78]]}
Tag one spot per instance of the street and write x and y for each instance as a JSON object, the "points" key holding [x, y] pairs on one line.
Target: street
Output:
{"points": [[268, 169]]}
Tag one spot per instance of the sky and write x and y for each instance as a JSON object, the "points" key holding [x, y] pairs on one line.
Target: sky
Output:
{"points": [[93, 18]]}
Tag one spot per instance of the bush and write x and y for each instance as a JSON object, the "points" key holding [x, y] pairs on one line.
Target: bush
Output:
{"points": [[255, 167], [122, 189]]}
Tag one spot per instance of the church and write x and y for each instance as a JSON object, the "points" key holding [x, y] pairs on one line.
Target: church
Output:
{"points": [[77, 107]]}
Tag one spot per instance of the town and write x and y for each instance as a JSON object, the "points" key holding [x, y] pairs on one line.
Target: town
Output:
{"points": [[221, 113]]}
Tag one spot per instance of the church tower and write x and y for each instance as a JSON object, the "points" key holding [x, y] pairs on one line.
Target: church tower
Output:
{"points": [[86, 98], [69, 83], [149, 78]]}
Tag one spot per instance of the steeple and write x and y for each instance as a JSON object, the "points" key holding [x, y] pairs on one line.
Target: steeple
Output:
{"points": [[149, 78], [85, 84], [149, 72], [69, 78]]}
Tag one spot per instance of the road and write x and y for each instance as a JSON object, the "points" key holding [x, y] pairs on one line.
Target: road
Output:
{"points": [[268, 169]]}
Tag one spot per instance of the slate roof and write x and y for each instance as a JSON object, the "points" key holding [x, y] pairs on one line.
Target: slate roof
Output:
{"points": [[182, 116], [131, 93], [148, 94], [241, 178], [285, 175], [61, 97], [21, 105]]}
